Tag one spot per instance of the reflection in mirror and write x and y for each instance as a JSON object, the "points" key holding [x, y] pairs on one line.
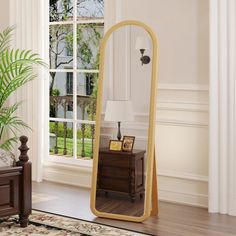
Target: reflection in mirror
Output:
{"points": [[122, 158]]}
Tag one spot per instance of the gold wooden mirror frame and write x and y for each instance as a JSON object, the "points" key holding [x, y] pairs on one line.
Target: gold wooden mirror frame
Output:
{"points": [[150, 202]]}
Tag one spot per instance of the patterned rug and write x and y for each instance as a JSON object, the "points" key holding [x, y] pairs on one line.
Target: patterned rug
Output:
{"points": [[42, 223]]}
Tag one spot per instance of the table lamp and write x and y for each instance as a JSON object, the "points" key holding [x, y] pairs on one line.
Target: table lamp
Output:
{"points": [[119, 111]]}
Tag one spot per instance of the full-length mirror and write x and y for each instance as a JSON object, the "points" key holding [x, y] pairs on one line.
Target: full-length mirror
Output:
{"points": [[125, 124]]}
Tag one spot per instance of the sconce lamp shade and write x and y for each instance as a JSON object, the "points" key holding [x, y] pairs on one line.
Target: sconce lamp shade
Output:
{"points": [[119, 111], [142, 43]]}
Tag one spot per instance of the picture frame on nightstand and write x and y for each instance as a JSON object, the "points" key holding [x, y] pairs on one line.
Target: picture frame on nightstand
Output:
{"points": [[128, 143], [115, 145]]}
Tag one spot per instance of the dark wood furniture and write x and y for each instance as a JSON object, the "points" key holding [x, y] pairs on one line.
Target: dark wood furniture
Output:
{"points": [[122, 172], [15, 187]]}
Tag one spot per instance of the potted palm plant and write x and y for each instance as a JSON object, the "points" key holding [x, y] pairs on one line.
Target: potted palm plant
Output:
{"points": [[16, 69]]}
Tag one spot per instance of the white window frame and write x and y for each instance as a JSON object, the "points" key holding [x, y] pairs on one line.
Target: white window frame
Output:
{"points": [[62, 159]]}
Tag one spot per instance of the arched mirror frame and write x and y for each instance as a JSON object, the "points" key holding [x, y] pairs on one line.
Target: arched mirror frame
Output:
{"points": [[151, 130]]}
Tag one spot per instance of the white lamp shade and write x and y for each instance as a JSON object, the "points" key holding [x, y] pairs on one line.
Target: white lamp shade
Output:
{"points": [[119, 111], [142, 43]]}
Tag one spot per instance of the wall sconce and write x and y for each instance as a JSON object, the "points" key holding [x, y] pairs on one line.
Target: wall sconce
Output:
{"points": [[142, 44]]}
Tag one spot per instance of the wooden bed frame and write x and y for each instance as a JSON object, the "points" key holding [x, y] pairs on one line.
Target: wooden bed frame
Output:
{"points": [[16, 187]]}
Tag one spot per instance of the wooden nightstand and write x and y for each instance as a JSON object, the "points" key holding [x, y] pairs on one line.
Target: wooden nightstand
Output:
{"points": [[121, 172]]}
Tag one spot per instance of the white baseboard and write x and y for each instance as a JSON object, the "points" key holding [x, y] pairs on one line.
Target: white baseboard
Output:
{"points": [[182, 175], [199, 200], [68, 175]]}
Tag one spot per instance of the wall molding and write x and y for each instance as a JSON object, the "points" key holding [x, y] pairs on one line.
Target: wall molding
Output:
{"points": [[182, 106], [174, 103], [183, 87], [182, 175], [182, 123], [165, 122], [159, 121]]}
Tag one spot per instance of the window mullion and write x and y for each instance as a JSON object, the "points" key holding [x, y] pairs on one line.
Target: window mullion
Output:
{"points": [[75, 79], [95, 21], [60, 23]]}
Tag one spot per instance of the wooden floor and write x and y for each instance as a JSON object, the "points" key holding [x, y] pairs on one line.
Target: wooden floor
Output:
{"points": [[119, 204], [173, 219]]}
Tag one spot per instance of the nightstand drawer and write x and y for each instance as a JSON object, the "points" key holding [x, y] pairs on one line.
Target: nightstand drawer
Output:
{"points": [[114, 184], [114, 172], [116, 161]]}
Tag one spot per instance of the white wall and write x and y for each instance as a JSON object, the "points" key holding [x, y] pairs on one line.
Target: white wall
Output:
{"points": [[182, 112], [4, 15], [182, 29]]}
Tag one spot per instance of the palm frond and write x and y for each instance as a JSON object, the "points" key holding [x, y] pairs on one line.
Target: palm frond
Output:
{"points": [[16, 69], [9, 143], [5, 38], [9, 122]]}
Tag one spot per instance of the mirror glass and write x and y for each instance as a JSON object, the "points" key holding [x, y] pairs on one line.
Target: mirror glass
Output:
{"points": [[125, 98]]}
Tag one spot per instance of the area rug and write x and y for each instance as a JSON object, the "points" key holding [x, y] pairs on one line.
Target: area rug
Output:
{"points": [[42, 223]]}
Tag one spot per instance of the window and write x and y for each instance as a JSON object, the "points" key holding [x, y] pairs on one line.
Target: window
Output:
{"points": [[69, 83], [75, 28], [89, 84], [70, 107]]}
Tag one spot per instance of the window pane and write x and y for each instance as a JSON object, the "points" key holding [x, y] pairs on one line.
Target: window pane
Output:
{"points": [[61, 138], [61, 46], [86, 98], [90, 9], [61, 10], [88, 40], [85, 140], [61, 94]]}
